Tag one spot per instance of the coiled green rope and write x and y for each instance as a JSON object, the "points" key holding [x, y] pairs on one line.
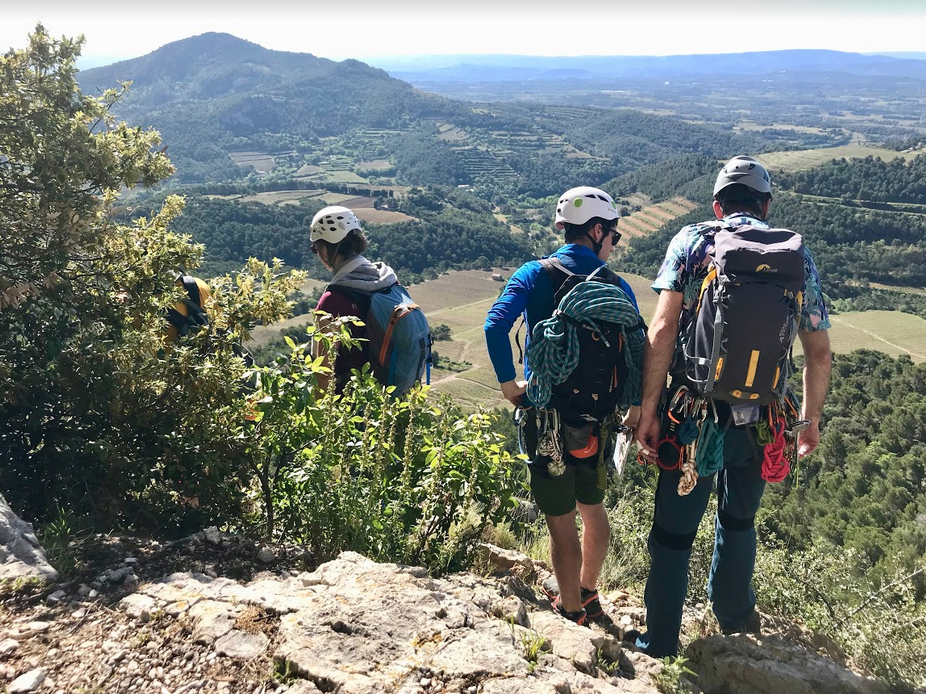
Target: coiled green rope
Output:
{"points": [[554, 349]]}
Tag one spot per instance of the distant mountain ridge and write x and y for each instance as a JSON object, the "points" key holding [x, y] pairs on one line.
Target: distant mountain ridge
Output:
{"points": [[508, 67], [215, 93], [213, 64]]}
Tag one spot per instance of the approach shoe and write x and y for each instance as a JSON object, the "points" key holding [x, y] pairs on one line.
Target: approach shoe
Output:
{"points": [[630, 636], [590, 600], [753, 625], [579, 617]]}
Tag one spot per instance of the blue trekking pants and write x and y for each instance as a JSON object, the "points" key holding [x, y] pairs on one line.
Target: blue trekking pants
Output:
{"points": [[675, 522]]}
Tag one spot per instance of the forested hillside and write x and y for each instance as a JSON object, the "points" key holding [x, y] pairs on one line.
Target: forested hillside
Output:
{"points": [[451, 229], [868, 179], [854, 246]]}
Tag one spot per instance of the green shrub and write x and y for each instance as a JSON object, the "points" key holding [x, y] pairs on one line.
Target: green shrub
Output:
{"points": [[412, 480]]}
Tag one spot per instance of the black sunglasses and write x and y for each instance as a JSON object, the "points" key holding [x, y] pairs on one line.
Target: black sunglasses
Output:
{"points": [[615, 234], [314, 248]]}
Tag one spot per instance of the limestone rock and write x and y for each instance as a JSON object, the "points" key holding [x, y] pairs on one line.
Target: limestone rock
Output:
{"points": [[239, 644], [21, 555], [744, 664], [28, 682]]}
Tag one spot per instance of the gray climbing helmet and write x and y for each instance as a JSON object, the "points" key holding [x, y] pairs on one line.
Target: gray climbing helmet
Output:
{"points": [[745, 171]]}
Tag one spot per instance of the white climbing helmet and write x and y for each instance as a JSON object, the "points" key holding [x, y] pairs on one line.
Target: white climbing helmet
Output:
{"points": [[744, 170], [578, 205], [332, 224]]}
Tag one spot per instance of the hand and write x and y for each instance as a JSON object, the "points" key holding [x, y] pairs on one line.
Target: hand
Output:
{"points": [[513, 391], [632, 418], [648, 437], [809, 439]]}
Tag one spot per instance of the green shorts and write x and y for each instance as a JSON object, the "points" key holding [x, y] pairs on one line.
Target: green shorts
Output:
{"points": [[557, 496]]}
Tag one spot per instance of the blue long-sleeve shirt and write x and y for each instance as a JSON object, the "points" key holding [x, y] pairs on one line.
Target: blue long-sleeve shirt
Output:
{"points": [[529, 292]]}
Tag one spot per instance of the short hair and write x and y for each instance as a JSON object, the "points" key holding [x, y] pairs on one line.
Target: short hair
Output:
{"points": [[353, 244], [576, 231], [741, 198]]}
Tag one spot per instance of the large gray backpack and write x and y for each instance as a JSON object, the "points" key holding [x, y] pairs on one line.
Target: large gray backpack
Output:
{"points": [[738, 345]]}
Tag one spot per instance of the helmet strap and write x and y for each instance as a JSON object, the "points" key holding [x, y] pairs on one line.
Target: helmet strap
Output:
{"points": [[596, 245]]}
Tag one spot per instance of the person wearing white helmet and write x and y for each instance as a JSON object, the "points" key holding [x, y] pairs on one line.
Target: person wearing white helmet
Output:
{"points": [[338, 241], [742, 198], [588, 217]]}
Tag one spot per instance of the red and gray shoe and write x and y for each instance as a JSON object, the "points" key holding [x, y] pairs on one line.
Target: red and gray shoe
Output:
{"points": [[591, 604], [579, 617]]}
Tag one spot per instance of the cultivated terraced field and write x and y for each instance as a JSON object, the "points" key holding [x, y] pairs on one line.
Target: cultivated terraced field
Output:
{"points": [[652, 217]]}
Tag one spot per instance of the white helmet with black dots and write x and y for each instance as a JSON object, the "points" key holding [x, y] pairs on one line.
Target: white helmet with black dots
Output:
{"points": [[578, 205], [332, 224]]}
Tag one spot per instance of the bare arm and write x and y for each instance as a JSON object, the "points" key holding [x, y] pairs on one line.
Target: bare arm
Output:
{"points": [[818, 363], [660, 346]]}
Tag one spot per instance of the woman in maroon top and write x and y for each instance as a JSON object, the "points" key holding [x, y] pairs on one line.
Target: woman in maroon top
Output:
{"points": [[339, 243]]}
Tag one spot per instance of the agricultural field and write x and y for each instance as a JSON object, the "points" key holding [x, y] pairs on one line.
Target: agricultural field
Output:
{"points": [[308, 171], [281, 197], [368, 214], [809, 158], [652, 217], [261, 162], [891, 332], [375, 165], [461, 300]]}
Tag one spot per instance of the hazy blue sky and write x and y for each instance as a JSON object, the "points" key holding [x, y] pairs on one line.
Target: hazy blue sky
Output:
{"points": [[368, 28]]}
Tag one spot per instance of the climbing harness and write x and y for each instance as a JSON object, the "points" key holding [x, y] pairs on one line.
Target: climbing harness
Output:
{"points": [[693, 441], [550, 441]]}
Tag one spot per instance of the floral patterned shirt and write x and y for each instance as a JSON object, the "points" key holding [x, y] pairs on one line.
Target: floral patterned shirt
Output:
{"points": [[688, 259]]}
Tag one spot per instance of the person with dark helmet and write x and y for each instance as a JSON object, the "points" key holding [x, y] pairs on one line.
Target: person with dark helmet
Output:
{"points": [[742, 198]]}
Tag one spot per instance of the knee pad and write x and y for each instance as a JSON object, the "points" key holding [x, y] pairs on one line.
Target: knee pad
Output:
{"points": [[663, 537], [736, 525]]}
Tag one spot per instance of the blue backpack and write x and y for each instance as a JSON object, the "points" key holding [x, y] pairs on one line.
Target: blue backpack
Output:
{"points": [[398, 333]]}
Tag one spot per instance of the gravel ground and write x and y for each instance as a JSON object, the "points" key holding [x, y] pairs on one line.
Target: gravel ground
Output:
{"points": [[71, 638]]}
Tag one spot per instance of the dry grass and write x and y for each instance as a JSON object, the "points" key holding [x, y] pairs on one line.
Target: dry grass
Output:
{"points": [[341, 176], [374, 165], [309, 170], [281, 197], [259, 160]]}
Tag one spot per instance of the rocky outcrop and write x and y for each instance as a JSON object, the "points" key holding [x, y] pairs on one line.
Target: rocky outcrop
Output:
{"points": [[353, 626], [357, 627], [21, 555], [771, 664]]}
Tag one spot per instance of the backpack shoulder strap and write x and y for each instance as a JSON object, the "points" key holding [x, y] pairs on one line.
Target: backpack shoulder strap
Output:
{"points": [[556, 271], [192, 289], [359, 297]]}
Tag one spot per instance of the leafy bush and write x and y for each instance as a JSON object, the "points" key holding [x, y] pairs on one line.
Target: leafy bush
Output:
{"points": [[412, 480], [99, 414]]}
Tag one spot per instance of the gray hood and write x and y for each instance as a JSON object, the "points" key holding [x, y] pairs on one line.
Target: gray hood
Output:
{"points": [[359, 273]]}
